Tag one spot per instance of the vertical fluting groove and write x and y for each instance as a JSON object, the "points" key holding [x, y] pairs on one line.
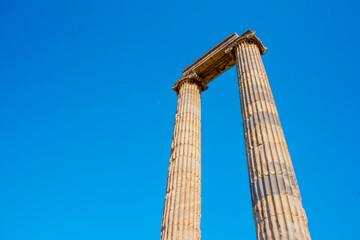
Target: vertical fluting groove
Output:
{"points": [[271, 165], [285, 200], [276, 199], [269, 128], [252, 153], [286, 226], [266, 205], [250, 158], [181, 218], [263, 136], [198, 171]]}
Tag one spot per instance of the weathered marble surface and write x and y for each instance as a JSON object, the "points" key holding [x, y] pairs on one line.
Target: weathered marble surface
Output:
{"points": [[182, 211], [276, 199]]}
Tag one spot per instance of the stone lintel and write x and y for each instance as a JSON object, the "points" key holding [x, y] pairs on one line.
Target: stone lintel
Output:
{"points": [[220, 58]]}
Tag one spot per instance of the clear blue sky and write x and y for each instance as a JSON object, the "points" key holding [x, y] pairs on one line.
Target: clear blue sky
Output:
{"points": [[87, 114]]}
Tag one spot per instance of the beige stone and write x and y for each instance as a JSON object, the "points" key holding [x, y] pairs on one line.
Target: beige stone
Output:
{"points": [[181, 219], [276, 199]]}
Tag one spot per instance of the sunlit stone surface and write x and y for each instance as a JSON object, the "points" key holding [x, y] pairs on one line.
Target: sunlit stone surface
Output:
{"points": [[276, 199]]}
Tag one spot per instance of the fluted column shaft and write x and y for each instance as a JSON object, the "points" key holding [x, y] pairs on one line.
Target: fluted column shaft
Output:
{"points": [[182, 211], [276, 199]]}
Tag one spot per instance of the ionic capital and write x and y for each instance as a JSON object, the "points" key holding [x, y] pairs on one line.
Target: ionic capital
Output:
{"points": [[190, 77], [247, 36]]}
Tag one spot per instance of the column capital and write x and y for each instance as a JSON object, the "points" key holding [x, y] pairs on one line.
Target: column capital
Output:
{"points": [[248, 36], [192, 76]]}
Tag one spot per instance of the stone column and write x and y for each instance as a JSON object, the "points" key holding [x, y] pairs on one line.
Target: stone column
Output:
{"points": [[276, 200], [182, 210]]}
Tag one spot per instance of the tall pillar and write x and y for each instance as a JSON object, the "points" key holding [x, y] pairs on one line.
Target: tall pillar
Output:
{"points": [[276, 200], [182, 210]]}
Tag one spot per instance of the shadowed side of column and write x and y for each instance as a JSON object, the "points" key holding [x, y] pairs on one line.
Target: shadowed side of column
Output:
{"points": [[276, 199]]}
